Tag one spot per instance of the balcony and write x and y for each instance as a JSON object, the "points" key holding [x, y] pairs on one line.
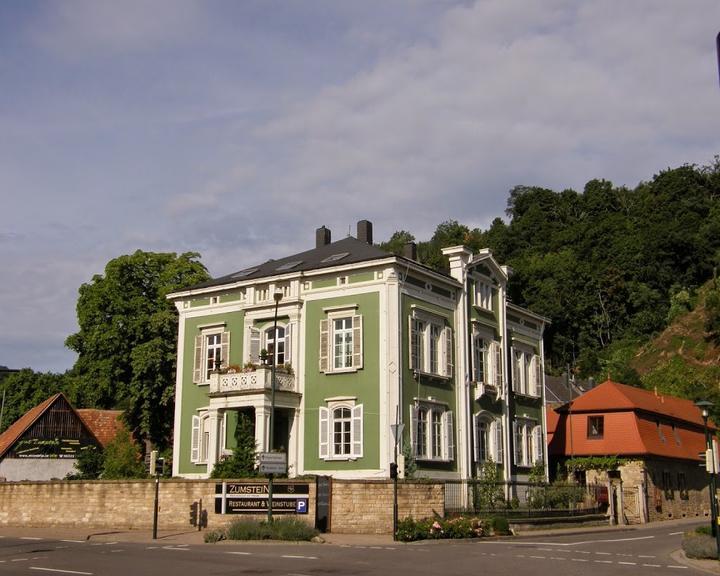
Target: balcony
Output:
{"points": [[255, 381]]}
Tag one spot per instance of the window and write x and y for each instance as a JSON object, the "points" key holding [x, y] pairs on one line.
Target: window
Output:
{"points": [[488, 438], [212, 348], [528, 441], [682, 486], [431, 432], [430, 345], [668, 485], [595, 427], [487, 361], [275, 345], [341, 430], [265, 339], [200, 438], [526, 372], [483, 294], [341, 343]]}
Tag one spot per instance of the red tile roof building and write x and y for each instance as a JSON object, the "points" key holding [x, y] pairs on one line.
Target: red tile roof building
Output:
{"points": [[660, 436]]}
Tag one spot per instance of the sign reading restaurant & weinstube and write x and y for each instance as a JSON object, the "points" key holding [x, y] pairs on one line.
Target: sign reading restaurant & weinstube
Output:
{"points": [[248, 498]]}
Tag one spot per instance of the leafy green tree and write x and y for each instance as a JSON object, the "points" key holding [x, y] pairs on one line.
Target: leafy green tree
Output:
{"points": [[397, 242], [26, 389], [122, 458], [241, 463], [89, 464], [127, 340]]}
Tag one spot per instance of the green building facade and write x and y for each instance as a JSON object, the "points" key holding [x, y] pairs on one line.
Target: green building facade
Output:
{"points": [[358, 342]]}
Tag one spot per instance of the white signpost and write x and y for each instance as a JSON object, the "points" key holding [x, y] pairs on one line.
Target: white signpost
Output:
{"points": [[272, 462]]}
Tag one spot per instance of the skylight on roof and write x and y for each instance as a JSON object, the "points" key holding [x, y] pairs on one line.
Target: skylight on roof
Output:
{"points": [[336, 257], [244, 273], [289, 265]]}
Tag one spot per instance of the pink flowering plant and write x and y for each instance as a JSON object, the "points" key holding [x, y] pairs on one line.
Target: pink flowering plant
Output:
{"points": [[410, 530]]}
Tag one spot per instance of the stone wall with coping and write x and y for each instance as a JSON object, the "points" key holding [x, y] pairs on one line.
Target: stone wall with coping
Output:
{"points": [[356, 506]]}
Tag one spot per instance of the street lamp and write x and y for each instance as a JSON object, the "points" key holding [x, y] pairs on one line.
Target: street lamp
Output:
{"points": [[704, 406], [277, 296]]}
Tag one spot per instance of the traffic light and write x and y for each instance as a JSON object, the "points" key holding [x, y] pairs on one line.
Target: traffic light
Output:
{"points": [[194, 511], [393, 470], [160, 466]]}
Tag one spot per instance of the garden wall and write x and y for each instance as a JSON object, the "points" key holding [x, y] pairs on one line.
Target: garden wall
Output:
{"points": [[356, 506]]}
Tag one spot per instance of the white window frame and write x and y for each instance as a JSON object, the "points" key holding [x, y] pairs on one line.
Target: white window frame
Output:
{"points": [[327, 342], [201, 370], [430, 345], [528, 443], [484, 294], [200, 438], [495, 446], [438, 416], [526, 371], [258, 340], [326, 438]]}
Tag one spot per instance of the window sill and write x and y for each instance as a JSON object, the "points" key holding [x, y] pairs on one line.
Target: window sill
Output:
{"points": [[428, 459], [432, 375], [526, 395], [341, 371], [340, 459]]}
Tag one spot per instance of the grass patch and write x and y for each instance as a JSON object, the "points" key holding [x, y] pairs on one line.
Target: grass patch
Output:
{"points": [[699, 545], [288, 529]]}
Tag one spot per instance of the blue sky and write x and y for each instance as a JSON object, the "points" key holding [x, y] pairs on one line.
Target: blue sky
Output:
{"points": [[236, 128]]}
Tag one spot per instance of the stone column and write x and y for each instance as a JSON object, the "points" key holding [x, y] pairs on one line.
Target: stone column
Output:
{"points": [[262, 428]]}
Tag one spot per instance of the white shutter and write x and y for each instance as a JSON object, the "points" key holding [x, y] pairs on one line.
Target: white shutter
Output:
{"points": [[498, 367], [537, 372], [288, 343], [357, 431], [413, 343], [195, 440], [324, 418], [222, 440], [413, 428], [476, 438], [224, 350], [499, 446], [448, 351], [516, 386], [197, 364], [324, 344], [538, 445], [517, 442], [254, 356], [449, 436], [357, 342]]}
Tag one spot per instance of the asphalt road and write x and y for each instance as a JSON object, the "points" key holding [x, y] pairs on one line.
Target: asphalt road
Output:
{"points": [[646, 552]]}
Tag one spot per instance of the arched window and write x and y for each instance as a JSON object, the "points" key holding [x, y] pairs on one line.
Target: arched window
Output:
{"points": [[276, 354]]}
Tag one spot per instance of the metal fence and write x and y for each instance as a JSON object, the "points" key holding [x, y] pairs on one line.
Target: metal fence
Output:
{"points": [[525, 499]]}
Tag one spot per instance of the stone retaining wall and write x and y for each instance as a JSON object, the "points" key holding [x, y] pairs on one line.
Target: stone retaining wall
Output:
{"points": [[356, 506]]}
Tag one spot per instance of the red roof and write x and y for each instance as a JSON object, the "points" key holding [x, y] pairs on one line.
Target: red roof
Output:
{"points": [[17, 428], [104, 424], [636, 422]]}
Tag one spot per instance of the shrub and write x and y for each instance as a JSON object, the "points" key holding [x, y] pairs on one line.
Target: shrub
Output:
{"points": [[214, 536], [122, 458], [500, 525], [281, 529], [699, 546], [410, 530], [705, 529]]}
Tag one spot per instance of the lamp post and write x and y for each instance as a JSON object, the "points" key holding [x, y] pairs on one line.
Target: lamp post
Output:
{"points": [[277, 296], [704, 406], [397, 430]]}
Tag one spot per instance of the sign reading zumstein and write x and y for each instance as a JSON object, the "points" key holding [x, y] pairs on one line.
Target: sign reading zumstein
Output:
{"points": [[247, 498]]}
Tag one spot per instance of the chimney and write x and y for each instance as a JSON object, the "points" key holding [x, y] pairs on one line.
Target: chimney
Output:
{"points": [[322, 237], [410, 250], [364, 231]]}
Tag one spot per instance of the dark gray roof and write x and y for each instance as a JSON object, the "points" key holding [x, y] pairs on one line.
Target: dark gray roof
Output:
{"points": [[557, 390], [346, 251]]}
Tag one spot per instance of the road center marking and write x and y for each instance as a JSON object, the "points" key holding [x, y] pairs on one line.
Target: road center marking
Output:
{"points": [[240, 553], [299, 557], [61, 571]]}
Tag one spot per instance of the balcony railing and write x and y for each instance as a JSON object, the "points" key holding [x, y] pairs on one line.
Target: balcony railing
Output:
{"points": [[258, 380]]}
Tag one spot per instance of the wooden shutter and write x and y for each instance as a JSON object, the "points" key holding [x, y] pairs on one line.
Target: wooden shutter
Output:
{"points": [[195, 440], [357, 431], [476, 438], [224, 350], [517, 442], [357, 341], [324, 418], [197, 363], [538, 444], [288, 343], [413, 343], [537, 371], [324, 344], [448, 351], [413, 428], [254, 356], [498, 367], [515, 371], [499, 446], [449, 437]]}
